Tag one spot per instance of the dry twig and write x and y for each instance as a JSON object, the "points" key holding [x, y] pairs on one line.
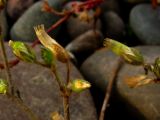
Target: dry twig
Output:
{"points": [[109, 89]]}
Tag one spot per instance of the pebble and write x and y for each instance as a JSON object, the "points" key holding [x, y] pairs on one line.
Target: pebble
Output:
{"points": [[23, 30], [145, 22]]}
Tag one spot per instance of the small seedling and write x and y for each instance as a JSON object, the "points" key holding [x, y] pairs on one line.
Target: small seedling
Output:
{"points": [[51, 52]]}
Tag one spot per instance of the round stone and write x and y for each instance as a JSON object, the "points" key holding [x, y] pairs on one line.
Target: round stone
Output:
{"points": [[23, 30], [145, 22]]}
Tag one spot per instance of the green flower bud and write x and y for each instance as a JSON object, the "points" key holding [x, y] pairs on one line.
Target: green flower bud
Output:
{"points": [[79, 85], [130, 55], [23, 51], [3, 86], [47, 56]]}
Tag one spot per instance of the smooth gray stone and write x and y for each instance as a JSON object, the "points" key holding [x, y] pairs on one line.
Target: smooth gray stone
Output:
{"points": [[39, 90], [76, 26], [98, 68], [113, 25], [87, 42], [112, 5], [15, 8], [23, 30], [145, 22]]}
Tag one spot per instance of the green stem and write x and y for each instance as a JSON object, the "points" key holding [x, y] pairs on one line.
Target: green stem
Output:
{"points": [[6, 65], [23, 107], [54, 70], [65, 94]]}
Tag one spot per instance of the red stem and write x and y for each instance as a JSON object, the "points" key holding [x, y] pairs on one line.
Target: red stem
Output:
{"points": [[91, 3], [154, 4]]}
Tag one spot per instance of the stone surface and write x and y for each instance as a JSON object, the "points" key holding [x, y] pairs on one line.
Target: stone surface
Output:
{"points": [[40, 92], [145, 22], [73, 23], [143, 101], [112, 5], [4, 24], [76, 26], [98, 68], [23, 29], [15, 8], [114, 25], [87, 42]]}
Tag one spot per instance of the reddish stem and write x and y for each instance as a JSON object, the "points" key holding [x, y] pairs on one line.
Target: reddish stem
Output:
{"points": [[91, 3], [154, 4]]}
